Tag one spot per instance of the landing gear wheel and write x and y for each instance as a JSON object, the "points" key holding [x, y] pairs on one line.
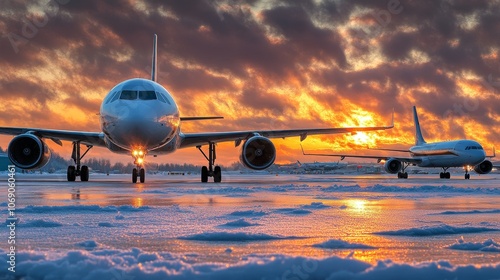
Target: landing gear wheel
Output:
{"points": [[204, 174], [467, 176], [441, 175], [447, 175], [134, 175], [142, 175], [71, 173], [84, 173], [217, 174], [402, 175]]}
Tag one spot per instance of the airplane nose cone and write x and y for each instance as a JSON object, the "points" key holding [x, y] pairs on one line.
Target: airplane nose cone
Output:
{"points": [[139, 127]]}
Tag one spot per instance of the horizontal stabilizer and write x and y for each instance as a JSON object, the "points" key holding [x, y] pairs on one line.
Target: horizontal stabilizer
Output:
{"points": [[200, 118]]}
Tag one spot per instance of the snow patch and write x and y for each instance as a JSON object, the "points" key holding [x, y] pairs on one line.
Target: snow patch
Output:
{"points": [[248, 213], [40, 223], [239, 223], [341, 244], [88, 244], [135, 264], [316, 205], [81, 208], [293, 211], [436, 230], [105, 224], [415, 189], [486, 246], [233, 237], [494, 211]]}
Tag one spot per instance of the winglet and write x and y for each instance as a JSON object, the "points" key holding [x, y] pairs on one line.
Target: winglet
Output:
{"points": [[494, 154], [392, 119], [419, 139], [154, 70]]}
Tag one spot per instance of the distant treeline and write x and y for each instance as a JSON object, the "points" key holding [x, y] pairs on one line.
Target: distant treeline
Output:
{"points": [[57, 162]]}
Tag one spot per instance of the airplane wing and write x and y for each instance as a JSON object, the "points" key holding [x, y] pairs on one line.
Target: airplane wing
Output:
{"points": [[87, 138], [197, 139], [378, 158]]}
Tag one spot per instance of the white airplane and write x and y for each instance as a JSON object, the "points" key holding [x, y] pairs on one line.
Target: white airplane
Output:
{"points": [[140, 117], [458, 153]]}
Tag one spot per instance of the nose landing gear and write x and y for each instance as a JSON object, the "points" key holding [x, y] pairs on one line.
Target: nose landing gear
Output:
{"points": [[139, 171]]}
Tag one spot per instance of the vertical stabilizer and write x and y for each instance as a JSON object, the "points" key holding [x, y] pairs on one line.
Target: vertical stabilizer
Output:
{"points": [[154, 70], [419, 139]]}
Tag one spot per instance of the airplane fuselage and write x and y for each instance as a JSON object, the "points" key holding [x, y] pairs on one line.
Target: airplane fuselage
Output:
{"points": [[457, 153], [139, 115]]}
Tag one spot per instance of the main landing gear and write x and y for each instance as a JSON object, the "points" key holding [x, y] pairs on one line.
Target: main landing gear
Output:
{"points": [[467, 175], [445, 174], [75, 171], [403, 174], [139, 171], [210, 171]]}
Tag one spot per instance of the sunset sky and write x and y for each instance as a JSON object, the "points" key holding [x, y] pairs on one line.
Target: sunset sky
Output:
{"points": [[261, 65]]}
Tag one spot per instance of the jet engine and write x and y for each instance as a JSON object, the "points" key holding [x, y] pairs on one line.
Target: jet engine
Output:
{"points": [[393, 166], [484, 167], [258, 153], [27, 151]]}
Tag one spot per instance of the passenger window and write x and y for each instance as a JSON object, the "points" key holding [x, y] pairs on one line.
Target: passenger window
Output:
{"points": [[129, 95], [147, 95]]}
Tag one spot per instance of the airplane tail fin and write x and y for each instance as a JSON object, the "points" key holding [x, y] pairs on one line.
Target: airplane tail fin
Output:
{"points": [[419, 139], [154, 69]]}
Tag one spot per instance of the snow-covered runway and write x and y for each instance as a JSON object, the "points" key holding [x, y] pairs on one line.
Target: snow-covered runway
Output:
{"points": [[256, 226]]}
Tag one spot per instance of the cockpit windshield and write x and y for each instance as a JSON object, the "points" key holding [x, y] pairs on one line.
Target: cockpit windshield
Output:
{"points": [[473, 148], [133, 94], [147, 95], [128, 95]]}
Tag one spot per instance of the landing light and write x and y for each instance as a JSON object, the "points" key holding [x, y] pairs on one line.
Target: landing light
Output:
{"points": [[140, 160]]}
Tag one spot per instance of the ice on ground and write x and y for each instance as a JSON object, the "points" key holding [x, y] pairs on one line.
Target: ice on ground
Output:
{"points": [[316, 205], [414, 189], [341, 244], [81, 208], [119, 216], [248, 213], [234, 237], [303, 209], [136, 264], [293, 211], [493, 211], [487, 246], [40, 223], [105, 224], [436, 230], [239, 223]]}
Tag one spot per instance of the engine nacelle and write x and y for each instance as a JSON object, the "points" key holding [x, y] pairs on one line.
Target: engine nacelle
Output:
{"points": [[484, 167], [258, 153], [27, 151], [393, 166]]}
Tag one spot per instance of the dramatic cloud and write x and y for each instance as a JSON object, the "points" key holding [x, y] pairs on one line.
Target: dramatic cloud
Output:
{"points": [[261, 64]]}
